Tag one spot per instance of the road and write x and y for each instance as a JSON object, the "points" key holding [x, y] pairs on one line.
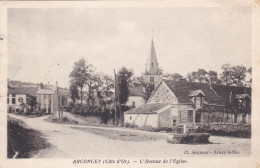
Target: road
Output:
{"points": [[69, 142]]}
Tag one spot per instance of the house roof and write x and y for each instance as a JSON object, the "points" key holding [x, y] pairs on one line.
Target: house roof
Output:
{"points": [[47, 90], [183, 89], [227, 92], [22, 90], [136, 91], [196, 93], [149, 108]]}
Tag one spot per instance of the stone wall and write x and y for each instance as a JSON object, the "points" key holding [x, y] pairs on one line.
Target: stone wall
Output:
{"points": [[163, 94], [141, 120]]}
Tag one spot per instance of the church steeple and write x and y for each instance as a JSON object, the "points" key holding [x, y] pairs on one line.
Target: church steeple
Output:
{"points": [[152, 74], [152, 66]]}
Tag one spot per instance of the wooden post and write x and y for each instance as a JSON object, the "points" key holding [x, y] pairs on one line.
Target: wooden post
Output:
{"points": [[115, 98], [58, 100]]}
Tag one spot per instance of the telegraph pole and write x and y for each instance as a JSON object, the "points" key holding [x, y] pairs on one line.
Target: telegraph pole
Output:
{"points": [[57, 99]]}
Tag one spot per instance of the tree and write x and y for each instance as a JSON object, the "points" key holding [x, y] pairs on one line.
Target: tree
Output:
{"points": [[32, 102], [249, 77], [238, 75], [78, 75], [148, 90], [107, 84], [201, 75], [123, 82], [74, 92], [192, 77], [213, 77], [174, 76], [226, 74]]}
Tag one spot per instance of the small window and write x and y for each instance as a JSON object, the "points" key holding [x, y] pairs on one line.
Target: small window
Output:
{"points": [[190, 116], [152, 64], [151, 79], [8, 100], [130, 118], [13, 100]]}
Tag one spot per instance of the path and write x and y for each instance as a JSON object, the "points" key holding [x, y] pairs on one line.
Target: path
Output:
{"points": [[71, 142]]}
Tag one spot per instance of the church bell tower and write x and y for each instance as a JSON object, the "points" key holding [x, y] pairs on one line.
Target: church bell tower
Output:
{"points": [[152, 74]]}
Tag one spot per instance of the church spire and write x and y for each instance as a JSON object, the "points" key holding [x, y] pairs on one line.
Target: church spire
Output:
{"points": [[152, 66]]}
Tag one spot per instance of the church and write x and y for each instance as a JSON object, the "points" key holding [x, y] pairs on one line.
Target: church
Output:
{"points": [[174, 103]]}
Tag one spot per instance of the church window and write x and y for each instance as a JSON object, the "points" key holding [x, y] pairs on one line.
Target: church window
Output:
{"points": [[151, 79], [152, 64]]}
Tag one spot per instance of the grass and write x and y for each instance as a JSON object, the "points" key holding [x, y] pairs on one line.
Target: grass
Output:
{"points": [[122, 135], [64, 120], [23, 142]]}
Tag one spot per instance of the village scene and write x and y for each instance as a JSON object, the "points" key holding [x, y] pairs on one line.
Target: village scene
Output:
{"points": [[121, 113]]}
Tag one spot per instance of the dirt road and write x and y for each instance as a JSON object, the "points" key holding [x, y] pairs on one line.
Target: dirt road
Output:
{"points": [[69, 142]]}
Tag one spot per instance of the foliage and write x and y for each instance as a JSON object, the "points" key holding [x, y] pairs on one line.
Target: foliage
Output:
{"points": [[84, 75], [32, 102], [78, 75], [74, 92], [123, 83], [200, 75], [174, 76], [235, 75]]}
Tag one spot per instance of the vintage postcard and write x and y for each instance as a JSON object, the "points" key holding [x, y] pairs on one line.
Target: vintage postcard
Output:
{"points": [[130, 84]]}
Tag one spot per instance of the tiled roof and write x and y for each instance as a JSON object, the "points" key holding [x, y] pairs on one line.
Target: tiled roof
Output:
{"points": [[149, 108], [136, 91], [182, 89], [22, 90], [225, 91]]}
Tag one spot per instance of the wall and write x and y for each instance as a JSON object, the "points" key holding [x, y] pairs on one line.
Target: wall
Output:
{"points": [[157, 79], [139, 101], [141, 120], [17, 103], [165, 119], [163, 94]]}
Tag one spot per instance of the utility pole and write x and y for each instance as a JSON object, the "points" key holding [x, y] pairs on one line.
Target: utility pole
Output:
{"points": [[115, 97], [58, 99], [120, 113]]}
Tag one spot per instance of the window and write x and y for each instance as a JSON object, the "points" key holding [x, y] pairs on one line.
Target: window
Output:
{"points": [[7, 100], [190, 115], [151, 79], [130, 118], [174, 122], [152, 64], [198, 101], [13, 100]]}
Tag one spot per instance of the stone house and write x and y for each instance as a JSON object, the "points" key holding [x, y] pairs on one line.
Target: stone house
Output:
{"points": [[175, 103], [49, 99], [16, 96], [136, 97]]}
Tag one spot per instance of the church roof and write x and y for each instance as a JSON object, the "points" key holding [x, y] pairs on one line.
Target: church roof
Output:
{"points": [[136, 91]]}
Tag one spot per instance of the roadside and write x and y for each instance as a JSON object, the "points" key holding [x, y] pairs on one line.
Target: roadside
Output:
{"points": [[23, 142], [71, 142]]}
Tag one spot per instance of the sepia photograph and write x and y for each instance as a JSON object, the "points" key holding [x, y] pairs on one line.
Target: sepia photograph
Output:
{"points": [[136, 82]]}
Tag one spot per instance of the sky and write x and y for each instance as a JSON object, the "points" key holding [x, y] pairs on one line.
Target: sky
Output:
{"points": [[43, 44]]}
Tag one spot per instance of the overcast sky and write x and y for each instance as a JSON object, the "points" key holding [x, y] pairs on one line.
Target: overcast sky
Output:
{"points": [[44, 43]]}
